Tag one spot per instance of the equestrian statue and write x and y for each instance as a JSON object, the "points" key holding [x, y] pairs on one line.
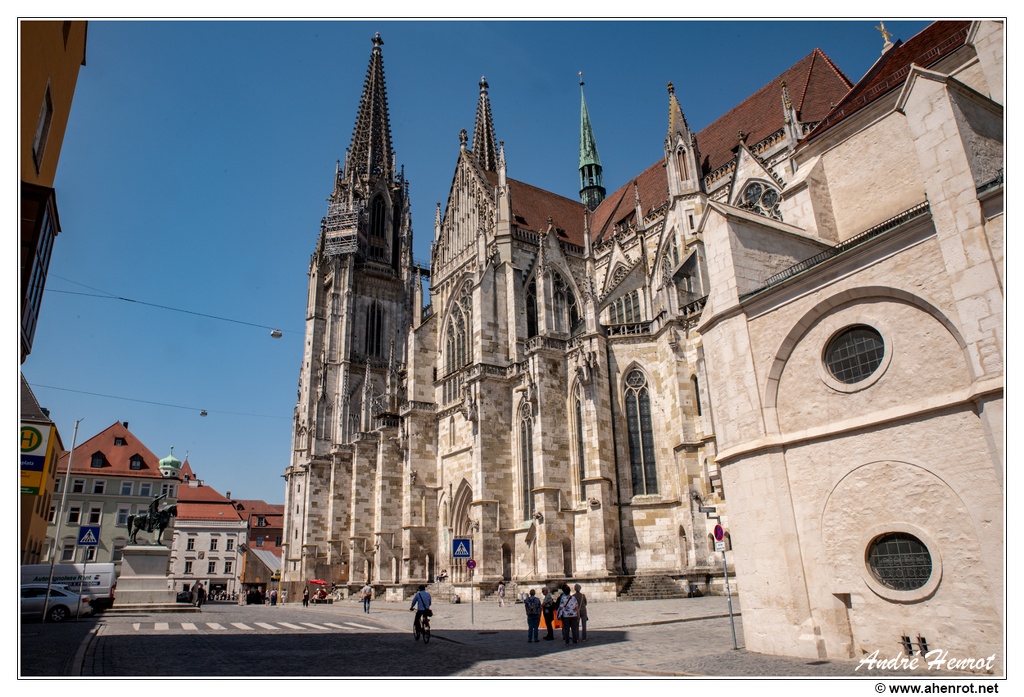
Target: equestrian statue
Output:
{"points": [[152, 520]]}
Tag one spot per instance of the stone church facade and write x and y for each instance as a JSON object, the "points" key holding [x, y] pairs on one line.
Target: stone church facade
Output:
{"points": [[584, 376]]}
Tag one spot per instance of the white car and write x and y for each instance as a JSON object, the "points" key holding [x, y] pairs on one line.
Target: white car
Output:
{"points": [[64, 604]]}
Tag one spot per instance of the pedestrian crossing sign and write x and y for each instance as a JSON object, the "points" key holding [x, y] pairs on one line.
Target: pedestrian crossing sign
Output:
{"points": [[462, 548], [89, 536]]}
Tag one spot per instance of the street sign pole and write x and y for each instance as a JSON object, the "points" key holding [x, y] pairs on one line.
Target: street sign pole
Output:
{"points": [[709, 511], [471, 565], [60, 519]]}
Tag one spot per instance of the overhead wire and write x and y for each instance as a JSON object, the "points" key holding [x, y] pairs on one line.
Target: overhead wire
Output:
{"points": [[111, 296], [159, 404]]}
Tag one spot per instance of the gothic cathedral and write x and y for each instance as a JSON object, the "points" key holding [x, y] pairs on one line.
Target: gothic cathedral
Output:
{"points": [[751, 332]]}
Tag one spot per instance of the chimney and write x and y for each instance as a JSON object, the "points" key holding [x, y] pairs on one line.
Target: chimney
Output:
{"points": [[228, 496], [125, 424]]}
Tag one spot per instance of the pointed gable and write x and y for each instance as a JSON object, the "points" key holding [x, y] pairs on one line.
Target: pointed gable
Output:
{"points": [[815, 83]]}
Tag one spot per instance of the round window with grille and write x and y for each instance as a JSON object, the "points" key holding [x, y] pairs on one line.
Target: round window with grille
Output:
{"points": [[855, 354], [899, 561]]}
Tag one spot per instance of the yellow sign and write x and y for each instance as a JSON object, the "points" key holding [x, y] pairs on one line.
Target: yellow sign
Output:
{"points": [[36, 448]]}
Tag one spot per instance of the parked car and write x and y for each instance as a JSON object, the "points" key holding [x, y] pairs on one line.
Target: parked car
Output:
{"points": [[64, 604], [184, 597]]}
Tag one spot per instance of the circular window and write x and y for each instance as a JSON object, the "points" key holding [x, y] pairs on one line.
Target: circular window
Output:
{"points": [[899, 561], [855, 354], [761, 199]]}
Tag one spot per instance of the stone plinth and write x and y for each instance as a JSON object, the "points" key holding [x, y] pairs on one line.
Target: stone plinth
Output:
{"points": [[143, 583]]}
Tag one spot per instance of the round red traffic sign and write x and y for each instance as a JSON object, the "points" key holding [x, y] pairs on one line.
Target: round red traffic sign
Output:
{"points": [[719, 533], [470, 564]]}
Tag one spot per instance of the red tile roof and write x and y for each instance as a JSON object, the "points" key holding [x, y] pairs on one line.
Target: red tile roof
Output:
{"points": [[117, 457], [259, 507], [205, 503], [199, 494], [814, 84], [208, 511], [652, 185], [932, 44], [532, 206]]}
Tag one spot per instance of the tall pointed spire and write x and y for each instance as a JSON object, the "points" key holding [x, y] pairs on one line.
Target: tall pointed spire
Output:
{"points": [[484, 144], [370, 152], [591, 181]]}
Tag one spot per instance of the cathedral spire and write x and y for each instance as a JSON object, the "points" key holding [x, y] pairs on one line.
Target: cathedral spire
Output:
{"points": [[484, 148], [591, 181], [370, 153]]}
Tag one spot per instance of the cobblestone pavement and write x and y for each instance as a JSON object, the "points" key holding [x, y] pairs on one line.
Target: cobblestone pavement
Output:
{"points": [[667, 638]]}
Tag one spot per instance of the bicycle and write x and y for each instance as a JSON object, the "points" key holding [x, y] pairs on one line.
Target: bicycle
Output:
{"points": [[423, 630]]}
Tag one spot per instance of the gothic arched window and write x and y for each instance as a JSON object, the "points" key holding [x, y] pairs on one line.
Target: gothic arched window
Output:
{"points": [[526, 480], [577, 400], [458, 350], [566, 309], [641, 434], [684, 173], [374, 329], [378, 236], [531, 308], [626, 309]]}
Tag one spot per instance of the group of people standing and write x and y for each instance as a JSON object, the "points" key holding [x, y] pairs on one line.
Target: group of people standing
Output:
{"points": [[569, 608]]}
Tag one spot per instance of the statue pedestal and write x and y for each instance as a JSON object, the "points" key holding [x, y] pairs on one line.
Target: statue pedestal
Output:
{"points": [[143, 583]]}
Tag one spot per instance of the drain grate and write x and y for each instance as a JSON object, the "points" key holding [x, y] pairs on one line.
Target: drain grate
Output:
{"points": [[817, 663], [486, 632]]}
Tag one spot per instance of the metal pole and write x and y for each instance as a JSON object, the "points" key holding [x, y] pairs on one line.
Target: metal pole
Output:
{"points": [[472, 619], [60, 519], [81, 584], [728, 594]]}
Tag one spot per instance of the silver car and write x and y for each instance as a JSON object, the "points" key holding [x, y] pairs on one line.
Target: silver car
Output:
{"points": [[64, 603]]}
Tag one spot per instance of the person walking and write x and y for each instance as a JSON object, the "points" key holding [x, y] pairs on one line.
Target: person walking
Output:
{"points": [[548, 607], [200, 595], [421, 604], [581, 601], [305, 597], [367, 597], [501, 593], [533, 611], [569, 613]]}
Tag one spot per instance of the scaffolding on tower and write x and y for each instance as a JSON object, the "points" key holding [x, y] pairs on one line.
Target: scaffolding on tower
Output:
{"points": [[341, 228]]}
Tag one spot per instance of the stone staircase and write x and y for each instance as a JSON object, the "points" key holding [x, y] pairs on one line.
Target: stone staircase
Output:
{"points": [[652, 588]]}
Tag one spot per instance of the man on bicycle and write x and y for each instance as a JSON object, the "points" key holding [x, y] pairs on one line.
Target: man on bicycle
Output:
{"points": [[421, 604]]}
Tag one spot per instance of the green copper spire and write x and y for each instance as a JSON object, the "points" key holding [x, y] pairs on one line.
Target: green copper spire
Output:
{"points": [[591, 183]]}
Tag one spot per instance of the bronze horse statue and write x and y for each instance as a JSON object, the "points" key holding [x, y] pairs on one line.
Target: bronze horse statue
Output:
{"points": [[152, 520]]}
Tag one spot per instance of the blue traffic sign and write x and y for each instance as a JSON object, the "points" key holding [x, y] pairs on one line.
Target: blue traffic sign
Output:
{"points": [[462, 548], [89, 536]]}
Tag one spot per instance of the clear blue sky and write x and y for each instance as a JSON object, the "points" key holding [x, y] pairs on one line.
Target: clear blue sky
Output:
{"points": [[199, 156]]}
